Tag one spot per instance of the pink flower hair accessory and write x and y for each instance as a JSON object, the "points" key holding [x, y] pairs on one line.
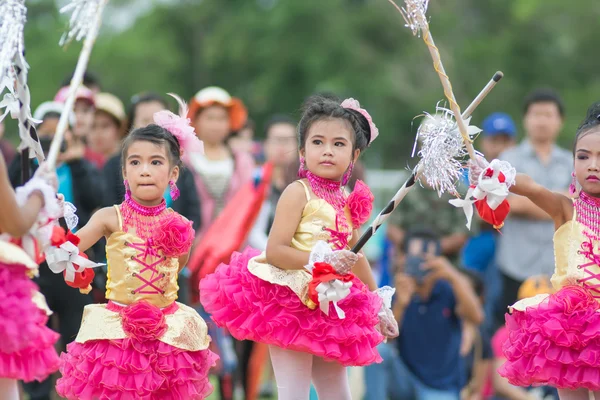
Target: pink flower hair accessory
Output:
{"points": [[360, 204], [353, 104], [179, 126], [174, 235]]}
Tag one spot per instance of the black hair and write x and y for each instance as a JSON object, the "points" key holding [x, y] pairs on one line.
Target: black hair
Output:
{"points": [[142, 98], [544, 95], [277, 119], [157, 135], [591, 121], [89, 79], [250, 124], [318, 107]]}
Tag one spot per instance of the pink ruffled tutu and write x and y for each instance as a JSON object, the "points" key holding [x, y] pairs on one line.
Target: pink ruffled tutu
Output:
{"points": [[139, 367], [253, 309], [555, 343], [26, 343]]}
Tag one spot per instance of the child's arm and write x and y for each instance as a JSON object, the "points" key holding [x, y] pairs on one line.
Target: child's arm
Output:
{"points": [[526, 208], [362, 269], [102, 223], [15, 220], [287, 217], [556, 205]]}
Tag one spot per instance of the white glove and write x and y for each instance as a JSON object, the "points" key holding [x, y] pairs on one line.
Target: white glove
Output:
{"points": [[51, 204], [388, 326], [48, 175], [341, 260]]}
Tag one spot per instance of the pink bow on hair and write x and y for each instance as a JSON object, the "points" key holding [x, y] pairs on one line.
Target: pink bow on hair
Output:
{"points": [[355, 105], [179, 126]]}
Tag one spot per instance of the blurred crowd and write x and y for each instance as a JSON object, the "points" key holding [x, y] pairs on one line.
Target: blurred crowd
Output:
{"points": [[451, 333]]}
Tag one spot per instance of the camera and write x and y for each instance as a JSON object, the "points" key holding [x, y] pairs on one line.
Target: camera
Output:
{"points": [[417, 245]]}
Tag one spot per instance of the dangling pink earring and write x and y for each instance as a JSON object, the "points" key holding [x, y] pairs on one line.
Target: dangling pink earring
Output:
{"points": [[302, 169], [573, 185], [127, 189], [347, 174], [174, 190]]}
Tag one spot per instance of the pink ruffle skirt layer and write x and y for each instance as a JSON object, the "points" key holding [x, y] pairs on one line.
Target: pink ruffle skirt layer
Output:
{"points": [[253, 309], [26, 343], [141, 368], [556, 343]]}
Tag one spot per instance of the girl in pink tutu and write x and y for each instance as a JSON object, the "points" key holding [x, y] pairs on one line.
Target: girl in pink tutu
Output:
{"points": [[554, 339], [142, 344], [26, 344], [299, 297]]}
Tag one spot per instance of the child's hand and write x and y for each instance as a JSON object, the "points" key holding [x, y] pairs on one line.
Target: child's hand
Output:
{"points": [[342, 260], [388, 326], [476, 167]]}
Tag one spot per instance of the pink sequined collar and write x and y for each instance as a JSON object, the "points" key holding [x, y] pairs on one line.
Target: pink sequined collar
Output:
{"points": [[329, 190], [146, 211], [143, 219], [333, 193], [587, 209]]}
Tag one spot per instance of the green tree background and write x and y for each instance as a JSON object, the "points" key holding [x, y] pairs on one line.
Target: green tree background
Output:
{"points": [[275, 53]]}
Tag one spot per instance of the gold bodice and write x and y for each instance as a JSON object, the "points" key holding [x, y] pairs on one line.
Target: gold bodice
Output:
{"points": [[318, 222], [137, 272], [576, 256]]}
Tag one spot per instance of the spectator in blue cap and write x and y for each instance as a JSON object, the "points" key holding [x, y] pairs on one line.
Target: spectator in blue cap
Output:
{"points": [[499, 134]]}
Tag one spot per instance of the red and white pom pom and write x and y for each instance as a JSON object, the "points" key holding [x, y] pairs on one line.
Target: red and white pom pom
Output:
{"points": [[327, 286], [65, 257], [489, 194]]}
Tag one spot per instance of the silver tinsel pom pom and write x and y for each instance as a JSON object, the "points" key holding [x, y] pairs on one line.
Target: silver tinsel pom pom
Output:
{"points": [[413, 13], [13, 15], [442, 150], [83, 14]]}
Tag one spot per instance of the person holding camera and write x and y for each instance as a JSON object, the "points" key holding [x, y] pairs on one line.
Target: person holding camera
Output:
{"points": [[433, 300], [80, 183]]}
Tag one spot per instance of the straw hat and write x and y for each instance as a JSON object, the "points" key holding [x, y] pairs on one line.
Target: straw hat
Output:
{"points": [[111, 105], [213, 95]]}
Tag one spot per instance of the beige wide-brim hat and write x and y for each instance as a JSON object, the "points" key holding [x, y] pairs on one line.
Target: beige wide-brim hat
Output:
{"points": [[111, 105]]}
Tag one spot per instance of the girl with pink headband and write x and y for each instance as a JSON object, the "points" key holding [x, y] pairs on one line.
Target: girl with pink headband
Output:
{"points": [[142, 344], [301, 296]]}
